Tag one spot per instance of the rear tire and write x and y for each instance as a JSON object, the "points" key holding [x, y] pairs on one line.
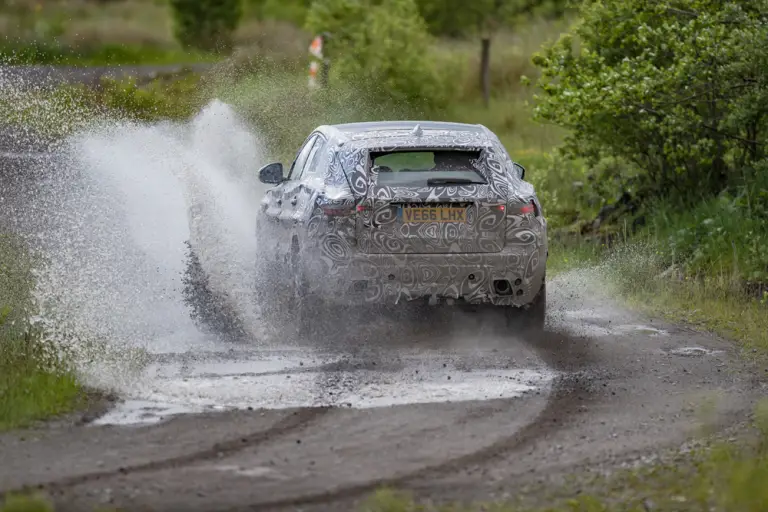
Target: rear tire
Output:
{"points": [[316, 317], [531, 317]]}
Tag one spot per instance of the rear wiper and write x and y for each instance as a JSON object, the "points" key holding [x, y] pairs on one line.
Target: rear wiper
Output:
{"points": [[452, 181]]}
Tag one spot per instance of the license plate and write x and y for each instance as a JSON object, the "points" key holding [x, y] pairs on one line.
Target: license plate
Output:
{"points": [[433, 214]]}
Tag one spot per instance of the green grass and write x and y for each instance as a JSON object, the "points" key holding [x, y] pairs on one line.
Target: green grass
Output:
{"points": [[35, 383], [107, 54], [29, 393], [130, 32], [21, 503], [713, 302]]}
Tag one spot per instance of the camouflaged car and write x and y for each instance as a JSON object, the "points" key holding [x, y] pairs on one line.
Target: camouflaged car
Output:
{"points": [[384, 212]]}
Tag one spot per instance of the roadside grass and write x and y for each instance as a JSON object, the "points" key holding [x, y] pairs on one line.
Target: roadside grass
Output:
{"points": [[637, 272], [721, 476], [51, 114], [107, 54], [716, 302], [127, 32], [24, 503], [35, 382], [82, 32], [566, 255]]}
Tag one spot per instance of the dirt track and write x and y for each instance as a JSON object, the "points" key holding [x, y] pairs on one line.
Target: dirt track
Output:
{"points": [[454, 407], [622, 387]]}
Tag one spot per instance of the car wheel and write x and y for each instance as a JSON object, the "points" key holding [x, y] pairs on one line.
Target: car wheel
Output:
{"points": [[531, 317], [315, 316], [274, 295]]}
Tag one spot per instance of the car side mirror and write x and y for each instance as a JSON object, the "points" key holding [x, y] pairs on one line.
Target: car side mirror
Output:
{"points": [[272, 174], [520, 170]]}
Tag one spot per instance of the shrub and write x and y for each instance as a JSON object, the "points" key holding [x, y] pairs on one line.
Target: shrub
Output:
{"points": [[206, 24], [674, 87], [383, 49], [292, 11], [176, 98]]}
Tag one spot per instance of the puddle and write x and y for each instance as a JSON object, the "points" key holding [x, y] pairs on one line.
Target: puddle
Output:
{"points": [[258, 471], [278, 382], [694, 352], [599, 324]]}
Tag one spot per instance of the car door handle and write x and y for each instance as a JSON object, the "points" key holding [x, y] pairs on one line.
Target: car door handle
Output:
{"points": [[294, 201]]}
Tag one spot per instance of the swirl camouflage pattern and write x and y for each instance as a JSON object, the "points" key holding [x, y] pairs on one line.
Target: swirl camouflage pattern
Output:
{"points": [[353, 230]]}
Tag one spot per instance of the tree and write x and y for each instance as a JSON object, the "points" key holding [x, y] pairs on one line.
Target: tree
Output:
{"points": [[676, 87], [206, 24], [293, 11], [459, 18], [382, 46]]}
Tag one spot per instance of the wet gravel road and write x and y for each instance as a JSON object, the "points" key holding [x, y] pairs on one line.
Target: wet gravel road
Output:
{"points": [[464, 411]]}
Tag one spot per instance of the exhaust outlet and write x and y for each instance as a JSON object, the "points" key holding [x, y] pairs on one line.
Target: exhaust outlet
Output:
{"points": [[502, 287]]}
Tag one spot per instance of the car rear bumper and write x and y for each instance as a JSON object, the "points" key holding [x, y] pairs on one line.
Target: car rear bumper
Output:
{"points": [[511, 277]]}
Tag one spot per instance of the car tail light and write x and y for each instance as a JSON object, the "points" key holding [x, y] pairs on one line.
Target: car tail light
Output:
{"points": [[524, 209]]}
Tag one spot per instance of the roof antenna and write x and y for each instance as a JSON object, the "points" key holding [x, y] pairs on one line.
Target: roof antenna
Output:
{"points": [[417, 131]]}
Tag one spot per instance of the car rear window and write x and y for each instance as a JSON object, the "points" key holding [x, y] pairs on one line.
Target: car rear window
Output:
{"points": [[427, 168]]}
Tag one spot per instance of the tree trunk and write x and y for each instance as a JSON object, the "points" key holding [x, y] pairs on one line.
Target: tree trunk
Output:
{"points": [[325, 72], [485, 68]]}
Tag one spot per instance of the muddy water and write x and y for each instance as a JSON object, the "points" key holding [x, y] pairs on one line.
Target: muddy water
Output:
{"points": [[300, 379], [453, 356], [468, 357]]}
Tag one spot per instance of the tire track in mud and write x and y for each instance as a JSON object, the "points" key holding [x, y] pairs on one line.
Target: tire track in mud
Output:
{"points": [[570, 392], [294, 422]]}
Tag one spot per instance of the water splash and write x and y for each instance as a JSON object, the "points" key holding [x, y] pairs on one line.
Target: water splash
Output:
{"points": [[118, 203]]}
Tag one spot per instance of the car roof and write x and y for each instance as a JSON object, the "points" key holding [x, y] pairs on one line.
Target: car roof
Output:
{"points": [[377, 126], [371, 134]]}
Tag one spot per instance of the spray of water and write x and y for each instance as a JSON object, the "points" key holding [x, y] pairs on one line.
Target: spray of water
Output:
{"points": [[115, 213], [112, 207]]}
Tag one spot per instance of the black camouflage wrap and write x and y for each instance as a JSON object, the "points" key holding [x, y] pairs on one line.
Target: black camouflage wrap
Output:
{"points": [[373, 256]]}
